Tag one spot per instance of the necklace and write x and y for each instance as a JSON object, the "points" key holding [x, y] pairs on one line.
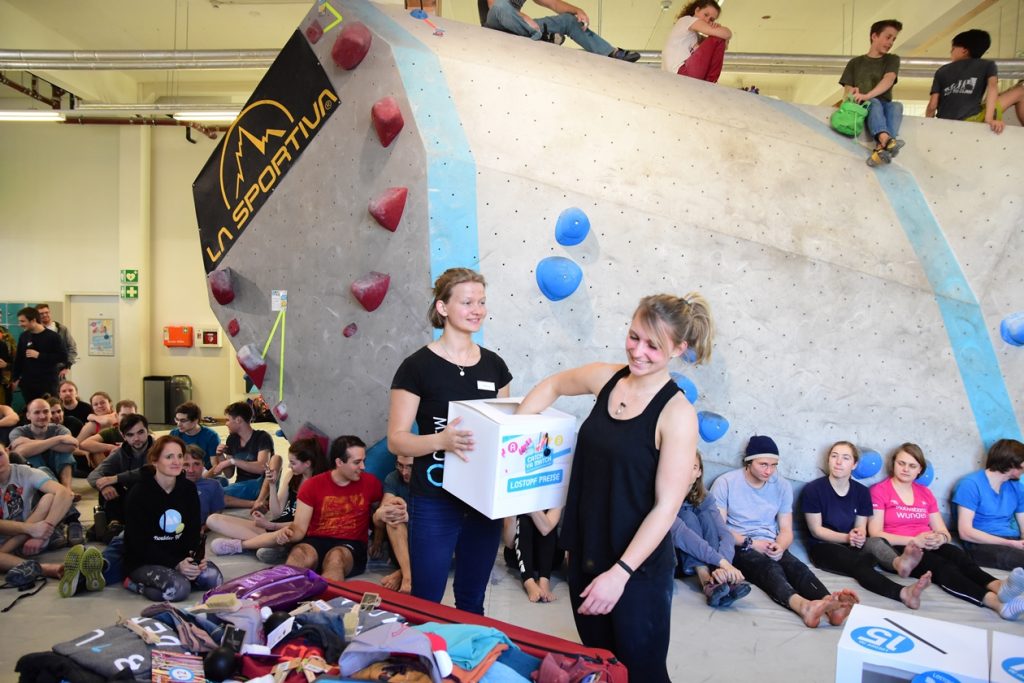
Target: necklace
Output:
{"points": [[462, 370], [618, 411]]}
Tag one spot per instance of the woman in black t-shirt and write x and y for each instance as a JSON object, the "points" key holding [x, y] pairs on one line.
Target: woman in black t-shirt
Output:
{"points": [[452, 368], [634, 463]]}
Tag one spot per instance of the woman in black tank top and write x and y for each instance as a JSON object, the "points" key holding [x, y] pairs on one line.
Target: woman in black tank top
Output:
{"points": [[632, 467]]}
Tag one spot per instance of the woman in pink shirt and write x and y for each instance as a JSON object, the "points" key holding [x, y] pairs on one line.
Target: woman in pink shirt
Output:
{"points": [[905, 513]]}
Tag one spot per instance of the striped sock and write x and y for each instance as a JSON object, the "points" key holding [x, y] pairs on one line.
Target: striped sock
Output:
{"points": [[1013, 609], [1012, 586]]}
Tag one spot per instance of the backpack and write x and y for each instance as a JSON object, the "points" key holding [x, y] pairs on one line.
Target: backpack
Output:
{"points": [[848, 119], [279, 588]]}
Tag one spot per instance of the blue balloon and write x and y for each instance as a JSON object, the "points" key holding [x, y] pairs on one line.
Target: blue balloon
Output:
{"points": [[712, 426], [928, 475], [558, 277], [688, 387], [869, 465], [1012, 329], [418, 14], [572, 227]]}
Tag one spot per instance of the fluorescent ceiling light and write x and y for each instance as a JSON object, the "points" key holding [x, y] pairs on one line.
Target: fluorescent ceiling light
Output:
{"points": [[30, 115], [206, 115]]}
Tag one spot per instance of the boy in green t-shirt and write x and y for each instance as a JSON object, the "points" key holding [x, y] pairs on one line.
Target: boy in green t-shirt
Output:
{"points": [[870, 78]]}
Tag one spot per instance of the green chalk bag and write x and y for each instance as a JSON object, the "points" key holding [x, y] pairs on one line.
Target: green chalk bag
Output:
{"points": [[849, 118]]}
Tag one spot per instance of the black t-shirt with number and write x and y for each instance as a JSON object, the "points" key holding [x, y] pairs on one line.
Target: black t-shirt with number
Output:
{"points": [[437, 381]]}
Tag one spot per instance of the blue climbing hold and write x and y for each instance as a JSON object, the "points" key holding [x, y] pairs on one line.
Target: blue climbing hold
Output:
{"points": [[928, 475], [1012, 329], [689, 355], [869, 465], [687, 386], [280, 433], [418, 14], [711, 426], [558, 277], [572, 227]]}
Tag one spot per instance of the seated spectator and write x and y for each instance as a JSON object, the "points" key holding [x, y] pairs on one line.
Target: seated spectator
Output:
{"points": [[31, 508], [211, 493], [73, 406], [8, 421], [905, 513], [870, 78], [332, 518], [120, 471], [704, 545], [163, 531], [100, 445], [967, 89], [44, 445], [246, 451], [757, 504], [571, 21], [696, 44], [990, 508], [58, 417], [187, 417], [101, 417], [305, 460], [531, 548], [391, 521], [837, 509]]}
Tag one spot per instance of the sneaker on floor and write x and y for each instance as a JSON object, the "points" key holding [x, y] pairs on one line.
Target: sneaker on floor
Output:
{"points": [[72, 571], [556, 38], [1013, 585], [893, 146], [59, 537], [715, 593], [625, 55], [24, 574], [92, 569], [110, 533], [76, 534], [736, 591], [226, 546], [879, 157], [272, 555]]}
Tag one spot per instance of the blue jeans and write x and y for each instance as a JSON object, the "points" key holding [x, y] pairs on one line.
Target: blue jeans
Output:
{"points": [[884, 117], [504, 17], [440, 526]]}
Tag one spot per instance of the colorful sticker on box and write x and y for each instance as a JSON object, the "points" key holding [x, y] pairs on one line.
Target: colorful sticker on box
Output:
{"points": [[1014, 667], [882, 640]]}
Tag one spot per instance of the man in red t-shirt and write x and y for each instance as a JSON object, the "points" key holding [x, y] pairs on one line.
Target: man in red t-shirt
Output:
{"points": [[332, 518]]}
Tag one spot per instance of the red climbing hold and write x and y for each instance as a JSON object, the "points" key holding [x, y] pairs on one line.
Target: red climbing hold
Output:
{"points": [[370, 289], [387, 119], [222, 285], [308, 431], [233, 327], [252, 362], [281, 412], [350, 330], [314, 32], [388, 206], [351, 46]]}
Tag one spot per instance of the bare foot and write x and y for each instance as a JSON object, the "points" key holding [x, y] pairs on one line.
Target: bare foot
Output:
{"points": [[393, 581], [533, 591], [813, 610], [546, 593], [845, 599], [406, 586], [34, 546], [911, 595], [908, 561]]}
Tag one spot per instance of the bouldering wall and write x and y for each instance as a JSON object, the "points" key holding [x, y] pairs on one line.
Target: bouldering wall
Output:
{"points": [[851, 303]]}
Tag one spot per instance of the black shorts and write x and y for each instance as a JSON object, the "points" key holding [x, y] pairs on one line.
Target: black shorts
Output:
{"points": [[323, 545]]}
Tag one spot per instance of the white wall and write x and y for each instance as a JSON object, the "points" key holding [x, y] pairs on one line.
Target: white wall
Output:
{"points": [[80, 203]]}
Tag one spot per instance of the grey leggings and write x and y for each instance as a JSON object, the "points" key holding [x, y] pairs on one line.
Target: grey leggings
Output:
{"points": [[163, 584]]}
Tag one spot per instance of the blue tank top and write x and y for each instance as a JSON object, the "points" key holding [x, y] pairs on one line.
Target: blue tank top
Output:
{"points": [[611, 489]]}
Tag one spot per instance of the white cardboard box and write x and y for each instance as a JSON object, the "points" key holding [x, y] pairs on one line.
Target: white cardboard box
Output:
{"points": [[519, 463], [1007, 658], [879, 646]]}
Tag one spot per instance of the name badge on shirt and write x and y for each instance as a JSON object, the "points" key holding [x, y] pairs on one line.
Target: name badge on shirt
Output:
{"points": [[484, 386]]}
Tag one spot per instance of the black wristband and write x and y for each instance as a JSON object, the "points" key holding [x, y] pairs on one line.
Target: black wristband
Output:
{"points": [[625, 567]]}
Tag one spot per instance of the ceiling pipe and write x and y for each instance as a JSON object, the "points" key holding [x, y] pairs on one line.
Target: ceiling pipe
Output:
{"points": [[126, 60], [208, 131]]}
